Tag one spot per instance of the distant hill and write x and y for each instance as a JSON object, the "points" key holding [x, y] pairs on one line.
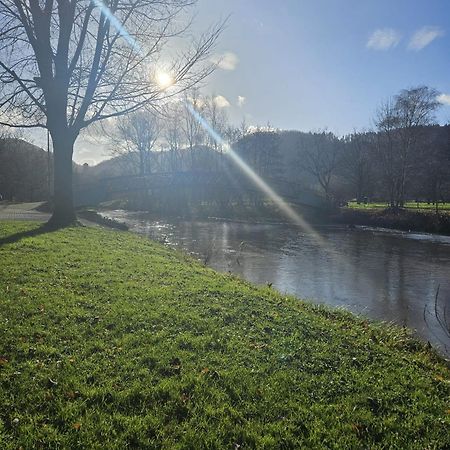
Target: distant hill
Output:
{"points": [[158, 162], [109, 168], [23, 171]]}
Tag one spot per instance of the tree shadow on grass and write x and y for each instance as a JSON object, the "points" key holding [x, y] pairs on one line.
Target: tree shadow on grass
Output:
{"points": [[16, 237]]}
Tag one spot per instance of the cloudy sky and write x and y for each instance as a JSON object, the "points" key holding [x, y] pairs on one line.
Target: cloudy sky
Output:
{"points": [[314, 64]]}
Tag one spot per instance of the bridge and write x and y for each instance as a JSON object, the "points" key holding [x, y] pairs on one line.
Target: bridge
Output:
{"points": [[207, 186]]}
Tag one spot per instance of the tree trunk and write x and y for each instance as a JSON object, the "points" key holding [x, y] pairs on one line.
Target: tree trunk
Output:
{"points": [[436, 196], [63, 209]]}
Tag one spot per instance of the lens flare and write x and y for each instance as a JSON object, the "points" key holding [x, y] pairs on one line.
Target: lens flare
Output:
{"points": [[165, 80], [117, 25], [282, 205]]}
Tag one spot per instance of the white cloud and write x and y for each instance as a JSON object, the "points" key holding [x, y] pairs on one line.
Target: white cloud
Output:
{"points": [[444, 99], [241, 100], [383, 39], [221, 101], [423, 37], [226, 61]]}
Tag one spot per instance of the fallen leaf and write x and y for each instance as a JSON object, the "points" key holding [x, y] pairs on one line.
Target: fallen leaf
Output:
{"points": [[72, 394], [76, 426]]}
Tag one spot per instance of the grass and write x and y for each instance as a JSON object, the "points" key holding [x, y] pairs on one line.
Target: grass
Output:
{"points": [[417, 206], [109, 340]]}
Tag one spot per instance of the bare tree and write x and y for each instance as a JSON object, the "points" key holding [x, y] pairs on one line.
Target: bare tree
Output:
{"points": [[320, 157], [217, 118], [232, 134], [387, 124], [192, 129], [400, 147], [137, 136], [65, 64], [415, 109], [173, 134], [357, 162]]}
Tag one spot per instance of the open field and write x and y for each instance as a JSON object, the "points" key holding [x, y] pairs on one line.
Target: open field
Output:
{"points": [[109, 340], [416, 206]]}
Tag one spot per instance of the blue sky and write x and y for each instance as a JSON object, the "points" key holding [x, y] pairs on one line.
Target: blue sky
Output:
{"points": [[316, 64], [313, 64]]}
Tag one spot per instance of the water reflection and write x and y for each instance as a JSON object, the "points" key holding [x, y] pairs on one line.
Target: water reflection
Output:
{"points": [[385, 275]]}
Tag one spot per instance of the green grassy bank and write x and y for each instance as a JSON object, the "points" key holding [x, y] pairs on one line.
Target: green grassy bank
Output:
{"points": [[109, 340], [426, 221], [413, 206]]}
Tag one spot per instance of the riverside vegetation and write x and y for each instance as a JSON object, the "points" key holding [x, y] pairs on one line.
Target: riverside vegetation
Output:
{"points": [[110, 340], [414, 217]]}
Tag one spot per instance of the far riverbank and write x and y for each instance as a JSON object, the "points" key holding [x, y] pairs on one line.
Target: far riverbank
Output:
{"points": [[402, 219]]}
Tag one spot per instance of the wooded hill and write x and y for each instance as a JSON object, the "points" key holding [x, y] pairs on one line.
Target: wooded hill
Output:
{"points": [[357, 166]]}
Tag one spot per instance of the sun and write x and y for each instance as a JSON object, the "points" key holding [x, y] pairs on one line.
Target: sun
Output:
{"points": [[164, 79]]}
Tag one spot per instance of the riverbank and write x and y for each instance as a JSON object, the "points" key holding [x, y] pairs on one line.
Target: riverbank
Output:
{"points": [[111, 340], [245, 213], [408, 219], [402, 219]]}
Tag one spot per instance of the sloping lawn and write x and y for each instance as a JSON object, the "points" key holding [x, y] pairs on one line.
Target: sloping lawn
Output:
{"points": [[111, 341]]}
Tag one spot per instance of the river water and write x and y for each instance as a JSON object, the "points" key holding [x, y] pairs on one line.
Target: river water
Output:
{"points": [[382, 274]]}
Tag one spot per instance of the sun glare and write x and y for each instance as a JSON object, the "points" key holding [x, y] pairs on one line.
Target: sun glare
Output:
{"points": [[164, 79]]}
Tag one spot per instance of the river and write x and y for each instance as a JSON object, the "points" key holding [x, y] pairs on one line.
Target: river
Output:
{"points": [[382, 274]]}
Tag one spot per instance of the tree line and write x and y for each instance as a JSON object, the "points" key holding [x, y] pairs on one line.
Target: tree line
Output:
{"points": [[405, 157]]}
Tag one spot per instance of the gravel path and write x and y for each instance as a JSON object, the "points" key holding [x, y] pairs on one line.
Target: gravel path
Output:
{"points": [[27, 211], [22, 211]]}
